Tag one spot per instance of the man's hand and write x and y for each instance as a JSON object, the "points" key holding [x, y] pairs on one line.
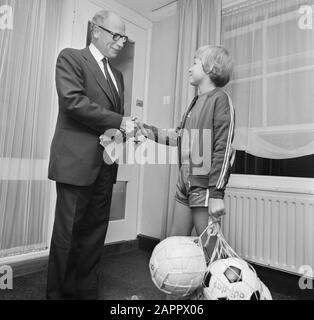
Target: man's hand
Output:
{"points": [[216, 209], [128, 126], [132, 127], [141, 133]]}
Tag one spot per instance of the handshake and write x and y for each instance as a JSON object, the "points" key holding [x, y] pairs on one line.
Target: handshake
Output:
{"points": [[130, 127]]}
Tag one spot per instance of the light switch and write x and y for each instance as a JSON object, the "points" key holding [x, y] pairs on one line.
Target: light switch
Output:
{"points": [[139, 103], [166, 100]]}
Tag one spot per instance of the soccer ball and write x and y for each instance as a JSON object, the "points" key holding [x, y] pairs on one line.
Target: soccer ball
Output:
{"points": [[231, 279], [178, 265], [265, 293]]}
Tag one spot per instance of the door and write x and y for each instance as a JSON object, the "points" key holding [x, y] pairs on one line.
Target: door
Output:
{"points": [[132, 63]]}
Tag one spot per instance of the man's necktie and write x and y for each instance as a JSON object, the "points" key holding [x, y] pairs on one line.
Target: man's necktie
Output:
{"points": [[112, 87]]}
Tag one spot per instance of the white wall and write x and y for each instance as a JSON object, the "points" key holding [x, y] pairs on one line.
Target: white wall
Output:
{"points": [[161, 83]]}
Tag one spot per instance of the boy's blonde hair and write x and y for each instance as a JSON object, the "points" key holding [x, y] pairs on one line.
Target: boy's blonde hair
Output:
{"points": [[217, 63]]}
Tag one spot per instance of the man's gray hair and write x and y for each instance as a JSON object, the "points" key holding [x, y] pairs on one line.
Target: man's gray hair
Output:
{"points": [[101, 16]]}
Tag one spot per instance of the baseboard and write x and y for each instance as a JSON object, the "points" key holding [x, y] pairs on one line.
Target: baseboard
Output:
{"points": [[147, 243], [34, 265], [120, 247], [27, 267]]}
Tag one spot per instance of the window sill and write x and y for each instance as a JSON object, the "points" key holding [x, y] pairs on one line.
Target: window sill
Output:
{"points": [[272, 183]]}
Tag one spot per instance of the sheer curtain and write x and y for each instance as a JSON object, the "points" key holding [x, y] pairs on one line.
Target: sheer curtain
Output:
{"points": [[199, 24], [27, 98], [272, 89]]}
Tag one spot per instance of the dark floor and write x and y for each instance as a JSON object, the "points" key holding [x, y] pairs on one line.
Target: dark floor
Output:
{"points": [[127, 274]]}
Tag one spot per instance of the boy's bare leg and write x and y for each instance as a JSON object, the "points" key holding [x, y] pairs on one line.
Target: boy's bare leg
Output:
{"points": [[182, 222], [182, 225]]}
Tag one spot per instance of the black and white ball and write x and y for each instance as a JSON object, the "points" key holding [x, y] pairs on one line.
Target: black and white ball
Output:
{"points": [[231, 279], [265, 293]]}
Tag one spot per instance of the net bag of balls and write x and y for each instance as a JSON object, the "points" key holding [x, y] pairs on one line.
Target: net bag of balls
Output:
{"points": [[228, 276]]}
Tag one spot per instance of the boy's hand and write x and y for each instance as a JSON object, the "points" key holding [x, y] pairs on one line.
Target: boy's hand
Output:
{"points": [[216, 209], [140, 129]]}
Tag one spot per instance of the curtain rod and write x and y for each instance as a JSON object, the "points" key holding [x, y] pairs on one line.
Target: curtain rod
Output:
{"points": [[165, 5]]}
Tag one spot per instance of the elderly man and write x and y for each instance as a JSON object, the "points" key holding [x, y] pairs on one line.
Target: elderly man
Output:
{"points": [[90, 95]]}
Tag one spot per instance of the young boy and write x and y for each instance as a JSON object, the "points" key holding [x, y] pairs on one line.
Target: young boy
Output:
{"points": [[207, 129]]}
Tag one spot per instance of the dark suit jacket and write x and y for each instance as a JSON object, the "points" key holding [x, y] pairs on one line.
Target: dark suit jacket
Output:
{"points": [[86, 110]]}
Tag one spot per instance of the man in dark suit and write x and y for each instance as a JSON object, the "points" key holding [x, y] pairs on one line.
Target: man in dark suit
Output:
{"points": [[90, 95]]}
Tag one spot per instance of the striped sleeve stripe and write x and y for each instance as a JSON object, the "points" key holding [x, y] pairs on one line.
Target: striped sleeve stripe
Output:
{"points": [[207, 198], [225, 166]]}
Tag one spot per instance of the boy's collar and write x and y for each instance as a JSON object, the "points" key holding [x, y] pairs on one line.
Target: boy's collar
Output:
{"points": [[209, 93]]}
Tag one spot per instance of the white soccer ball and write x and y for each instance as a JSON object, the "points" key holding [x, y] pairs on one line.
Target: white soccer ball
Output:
{"points": [[231, 279], [178, 265]]}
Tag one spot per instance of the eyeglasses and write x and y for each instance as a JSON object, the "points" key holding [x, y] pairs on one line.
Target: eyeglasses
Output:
{"points": [[115, 36]]}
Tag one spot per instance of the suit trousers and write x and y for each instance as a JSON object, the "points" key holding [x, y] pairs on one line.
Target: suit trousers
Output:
{"points": [[80, 227]]}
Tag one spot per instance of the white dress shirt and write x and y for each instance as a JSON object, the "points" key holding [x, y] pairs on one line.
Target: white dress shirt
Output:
{"points": [[99, 58]]}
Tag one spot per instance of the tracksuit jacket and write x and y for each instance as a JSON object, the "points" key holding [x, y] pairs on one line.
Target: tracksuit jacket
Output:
{"points": [[206, 144], [215, 121]]}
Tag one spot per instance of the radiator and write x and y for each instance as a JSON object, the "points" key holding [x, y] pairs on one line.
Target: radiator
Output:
{"points": [[271, 224]]}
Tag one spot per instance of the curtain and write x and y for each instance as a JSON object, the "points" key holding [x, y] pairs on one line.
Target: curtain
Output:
{"points": [[272, 87], [199, 24], [28, 53]]}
